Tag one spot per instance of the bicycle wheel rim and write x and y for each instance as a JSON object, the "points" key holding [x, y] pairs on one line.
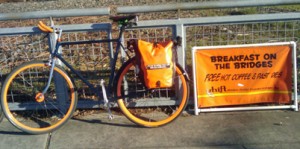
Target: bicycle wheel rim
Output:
{"points": [[146, 123], [10, 115]]}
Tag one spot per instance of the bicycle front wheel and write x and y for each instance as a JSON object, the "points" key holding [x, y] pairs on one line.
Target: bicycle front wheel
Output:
{"points": [[27, 108], [150, 108]]}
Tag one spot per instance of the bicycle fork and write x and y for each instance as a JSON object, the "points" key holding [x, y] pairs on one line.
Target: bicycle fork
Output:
{"points": [[40, 96]]}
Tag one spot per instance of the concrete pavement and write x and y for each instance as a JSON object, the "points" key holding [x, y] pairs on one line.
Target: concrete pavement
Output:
{"points": [[277, 129]]}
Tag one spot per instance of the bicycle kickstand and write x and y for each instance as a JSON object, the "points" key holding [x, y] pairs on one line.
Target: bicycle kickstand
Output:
{"points": [[106, 102]]}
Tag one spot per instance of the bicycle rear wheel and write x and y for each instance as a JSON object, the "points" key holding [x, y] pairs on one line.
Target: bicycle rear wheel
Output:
{"points": [[150, 108], [27, 108], [1, 115]]}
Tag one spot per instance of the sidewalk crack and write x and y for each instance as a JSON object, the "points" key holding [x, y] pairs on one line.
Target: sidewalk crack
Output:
{"points": [[48, 140]]}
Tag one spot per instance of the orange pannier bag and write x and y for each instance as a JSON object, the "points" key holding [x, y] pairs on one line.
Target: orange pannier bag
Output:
{"points": [[156, 63]]}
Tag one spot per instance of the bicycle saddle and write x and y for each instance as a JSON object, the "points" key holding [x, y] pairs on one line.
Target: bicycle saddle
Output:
{"points": [[122, 18]]}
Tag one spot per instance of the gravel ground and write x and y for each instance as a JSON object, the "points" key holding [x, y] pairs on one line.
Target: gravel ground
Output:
{"points": [[49, 5], [7, 7]]}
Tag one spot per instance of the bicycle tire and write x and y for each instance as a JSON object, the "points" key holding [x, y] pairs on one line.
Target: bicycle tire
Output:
{"points": [[153, 111], [38, 113], [1, 115]]}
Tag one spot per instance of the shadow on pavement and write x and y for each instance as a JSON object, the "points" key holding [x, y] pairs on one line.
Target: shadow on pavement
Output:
{"points": [[96, 121], [13, 133]]}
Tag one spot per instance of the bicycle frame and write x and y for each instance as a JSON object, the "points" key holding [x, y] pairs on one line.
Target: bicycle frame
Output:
{"points": [[55, 54]]}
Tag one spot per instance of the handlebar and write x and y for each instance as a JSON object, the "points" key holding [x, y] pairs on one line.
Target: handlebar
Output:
{"points": [[45, 28]]}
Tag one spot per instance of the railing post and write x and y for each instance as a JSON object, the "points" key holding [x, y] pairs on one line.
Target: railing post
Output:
{"points": [[179, 30]]}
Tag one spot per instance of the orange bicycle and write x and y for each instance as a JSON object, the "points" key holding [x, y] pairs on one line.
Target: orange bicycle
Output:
{"points": [[47, 95]]}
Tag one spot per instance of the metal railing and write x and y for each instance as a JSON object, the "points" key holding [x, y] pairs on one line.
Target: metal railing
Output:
{"points": [[55, 13], [146, 9], [23, 44], [204, 5]]}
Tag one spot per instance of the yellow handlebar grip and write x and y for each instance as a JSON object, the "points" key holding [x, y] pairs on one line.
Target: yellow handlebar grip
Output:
{"points": [[44, 27]]}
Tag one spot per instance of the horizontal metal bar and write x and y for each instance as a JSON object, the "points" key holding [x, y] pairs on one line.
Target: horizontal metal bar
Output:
{"points": [[88, 42], [204, 5], [222, 19], [146, 8], [83, 104], [85, 27], [36, 106], [157, 23], [55, 13], [246, 108], [66, 28]]}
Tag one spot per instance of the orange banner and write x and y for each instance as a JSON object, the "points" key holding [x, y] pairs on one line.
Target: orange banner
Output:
{"points": [[243, 75]]}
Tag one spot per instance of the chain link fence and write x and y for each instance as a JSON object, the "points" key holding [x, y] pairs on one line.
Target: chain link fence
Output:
{"points": [[93, 60], [241, 33]]}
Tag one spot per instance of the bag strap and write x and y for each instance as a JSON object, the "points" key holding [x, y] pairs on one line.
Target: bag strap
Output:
{"points": [[132, 45]]}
